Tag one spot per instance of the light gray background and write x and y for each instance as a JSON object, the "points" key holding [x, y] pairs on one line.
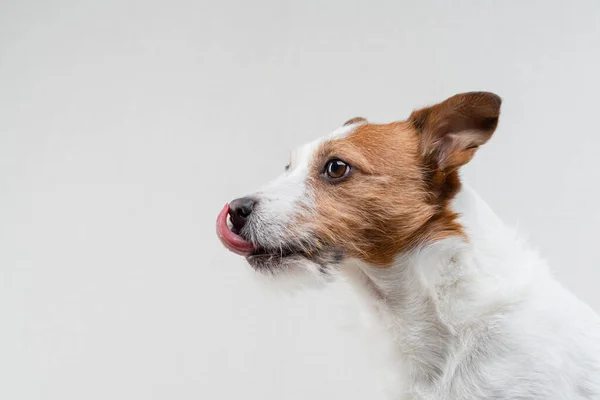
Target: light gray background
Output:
{"points": [[126, 125]]}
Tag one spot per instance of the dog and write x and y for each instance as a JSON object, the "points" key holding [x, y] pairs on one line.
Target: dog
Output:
{"points": [[473, 313]]}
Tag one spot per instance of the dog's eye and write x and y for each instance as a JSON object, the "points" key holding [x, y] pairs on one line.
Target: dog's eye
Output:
{"points": [[287, 167], [336, 169]]}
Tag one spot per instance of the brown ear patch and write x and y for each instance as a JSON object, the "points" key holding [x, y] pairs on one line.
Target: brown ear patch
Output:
{"points": [[355, 120], [452, 130]]}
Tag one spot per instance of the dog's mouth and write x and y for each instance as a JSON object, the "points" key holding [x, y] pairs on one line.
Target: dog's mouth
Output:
{"points": [[232, 240], [268, 258]]}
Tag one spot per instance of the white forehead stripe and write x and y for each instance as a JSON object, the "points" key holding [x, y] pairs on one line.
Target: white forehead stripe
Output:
{"points": [[301, 157], [344, 131]]}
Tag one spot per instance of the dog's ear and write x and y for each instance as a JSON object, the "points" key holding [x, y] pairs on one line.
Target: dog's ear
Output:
{"points": [[355, 121], [451, 131]]}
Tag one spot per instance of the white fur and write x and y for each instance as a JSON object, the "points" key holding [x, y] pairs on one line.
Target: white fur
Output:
{"points": [[483, 319]]}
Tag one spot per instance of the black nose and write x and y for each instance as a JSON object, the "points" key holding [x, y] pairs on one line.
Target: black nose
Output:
{"points": [[239, 211]]}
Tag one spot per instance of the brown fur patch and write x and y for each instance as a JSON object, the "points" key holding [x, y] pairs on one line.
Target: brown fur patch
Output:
{"points": [[384, 206], [403, 177]]}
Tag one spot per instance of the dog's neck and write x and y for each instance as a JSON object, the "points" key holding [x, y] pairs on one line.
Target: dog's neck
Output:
{"points": [[435, 295]]}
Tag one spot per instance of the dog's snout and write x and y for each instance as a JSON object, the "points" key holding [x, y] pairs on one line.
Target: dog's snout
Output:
{"points": [[239, 211]]}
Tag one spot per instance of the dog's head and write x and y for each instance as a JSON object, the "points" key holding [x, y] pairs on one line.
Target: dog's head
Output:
{"points": [[367, 191]]}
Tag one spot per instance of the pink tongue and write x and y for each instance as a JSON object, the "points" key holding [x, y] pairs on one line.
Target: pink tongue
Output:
{"points": [[233, 242]]}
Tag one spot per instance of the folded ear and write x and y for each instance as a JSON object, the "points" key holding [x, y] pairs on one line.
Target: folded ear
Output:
{"points": [[355, 120], [451, 131]]}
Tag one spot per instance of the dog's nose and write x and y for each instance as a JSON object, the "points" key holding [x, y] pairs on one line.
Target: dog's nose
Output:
{"points": [[239, 211]]}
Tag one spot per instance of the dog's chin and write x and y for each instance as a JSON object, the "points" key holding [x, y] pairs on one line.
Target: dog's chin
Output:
{"points": [[275, 262], [272, 263], [294, 272]]}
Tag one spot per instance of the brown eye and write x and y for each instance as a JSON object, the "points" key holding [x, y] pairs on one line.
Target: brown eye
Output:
{"points": [[336, 169]]}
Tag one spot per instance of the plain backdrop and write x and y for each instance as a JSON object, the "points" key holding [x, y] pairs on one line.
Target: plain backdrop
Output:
{"points": [[126, 125]]}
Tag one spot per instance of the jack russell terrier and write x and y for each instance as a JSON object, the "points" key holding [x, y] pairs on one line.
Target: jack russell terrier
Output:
{"points": [[473, 312]]}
